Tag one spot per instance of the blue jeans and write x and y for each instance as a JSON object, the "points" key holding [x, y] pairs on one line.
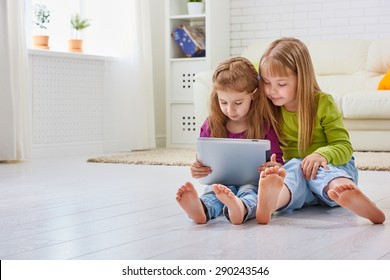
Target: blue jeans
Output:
{"points": [[310, 192], [214, 207]]}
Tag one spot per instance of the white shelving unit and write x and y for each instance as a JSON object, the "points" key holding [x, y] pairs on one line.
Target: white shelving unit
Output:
{"points": [[181, 128]]}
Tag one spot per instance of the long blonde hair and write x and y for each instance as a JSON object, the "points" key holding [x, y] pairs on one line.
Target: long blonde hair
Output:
{"points": [[237, 74], [290, 54]]}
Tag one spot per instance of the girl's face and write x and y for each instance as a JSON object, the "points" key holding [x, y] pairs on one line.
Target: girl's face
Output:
{"points": [[282, 91], [235, 105]]}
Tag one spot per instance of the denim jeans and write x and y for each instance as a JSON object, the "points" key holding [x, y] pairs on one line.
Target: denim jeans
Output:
{"points": [[247, 193], [310, 192]]}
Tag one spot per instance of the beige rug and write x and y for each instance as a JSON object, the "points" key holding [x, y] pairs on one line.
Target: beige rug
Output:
{"points": [[159, 156], [379, 161]]}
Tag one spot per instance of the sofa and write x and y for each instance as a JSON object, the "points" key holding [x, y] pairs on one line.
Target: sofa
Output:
{"points": [[350, 70]]}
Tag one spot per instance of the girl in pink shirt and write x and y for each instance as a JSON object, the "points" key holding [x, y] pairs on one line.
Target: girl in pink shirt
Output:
{"points": [[236, 111]]}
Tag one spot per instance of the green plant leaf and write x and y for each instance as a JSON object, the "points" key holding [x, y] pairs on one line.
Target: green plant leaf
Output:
{"points": [[78, 23], [42, 16]]}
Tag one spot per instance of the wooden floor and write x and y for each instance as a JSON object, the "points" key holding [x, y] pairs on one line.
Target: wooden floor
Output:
{"points": [[70, 209]]}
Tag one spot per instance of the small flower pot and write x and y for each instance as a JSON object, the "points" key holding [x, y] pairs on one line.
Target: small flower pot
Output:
{"points": [[41, 42], [195, 8], [75, 45]]}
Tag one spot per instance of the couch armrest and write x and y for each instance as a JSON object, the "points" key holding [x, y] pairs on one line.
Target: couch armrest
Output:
{"points": [[201, 90]]}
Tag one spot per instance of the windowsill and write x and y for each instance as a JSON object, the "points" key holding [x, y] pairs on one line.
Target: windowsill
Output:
{"points": [[32, 51]]}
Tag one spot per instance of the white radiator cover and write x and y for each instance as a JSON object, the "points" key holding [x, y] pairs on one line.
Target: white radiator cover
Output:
{"points": [[67, 104]]}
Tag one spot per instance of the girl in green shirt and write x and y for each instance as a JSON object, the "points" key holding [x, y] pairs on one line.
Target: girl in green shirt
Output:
{"points": [[319, 165]]}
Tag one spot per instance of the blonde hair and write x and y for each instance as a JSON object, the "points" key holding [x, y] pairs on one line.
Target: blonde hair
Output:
{"points": [[283, 57], [237, 74]]}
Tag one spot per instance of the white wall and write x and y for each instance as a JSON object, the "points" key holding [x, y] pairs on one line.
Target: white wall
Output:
{"points": [[307, 19]]}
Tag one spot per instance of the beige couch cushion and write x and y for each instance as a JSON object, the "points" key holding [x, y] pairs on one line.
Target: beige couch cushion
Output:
{"points": [[368, 104], [378, 58], [338, 57], [254, 51]]}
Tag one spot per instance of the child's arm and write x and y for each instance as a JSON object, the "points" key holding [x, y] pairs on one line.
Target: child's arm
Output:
{"points": [[338, 148], [275, 146], [198, 170], [331, 144], [311, 163]]}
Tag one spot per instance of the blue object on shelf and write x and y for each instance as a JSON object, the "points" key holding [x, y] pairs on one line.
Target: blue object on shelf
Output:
{"points": [[191, 43]]}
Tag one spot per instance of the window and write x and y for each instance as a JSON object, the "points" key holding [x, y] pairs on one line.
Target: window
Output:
{"points": [[58, 29], [111, 29]]}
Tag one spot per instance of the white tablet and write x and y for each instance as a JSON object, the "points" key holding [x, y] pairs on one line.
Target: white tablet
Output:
{"points": [[233, 161]]}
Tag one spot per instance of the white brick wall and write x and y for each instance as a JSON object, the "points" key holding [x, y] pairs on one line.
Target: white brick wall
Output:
{"points": [[252, 20]]}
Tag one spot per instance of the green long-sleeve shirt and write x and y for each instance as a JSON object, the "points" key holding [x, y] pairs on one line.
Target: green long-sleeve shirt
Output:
{"points": [[330, 138]]}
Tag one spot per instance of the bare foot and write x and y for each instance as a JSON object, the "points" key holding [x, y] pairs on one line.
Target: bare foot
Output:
{"points": [[352, 198], [235, 206], [188, 199], [270, 185]]}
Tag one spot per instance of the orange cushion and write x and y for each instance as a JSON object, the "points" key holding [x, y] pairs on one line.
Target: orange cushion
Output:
{"points": [[385, 82]]}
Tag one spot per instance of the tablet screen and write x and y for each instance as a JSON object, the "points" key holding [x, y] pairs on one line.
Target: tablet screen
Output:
{"points": [[233, 161]]}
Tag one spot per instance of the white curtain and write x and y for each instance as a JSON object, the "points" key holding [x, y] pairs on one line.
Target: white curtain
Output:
{"points": [[15, 132], [126, 34]]}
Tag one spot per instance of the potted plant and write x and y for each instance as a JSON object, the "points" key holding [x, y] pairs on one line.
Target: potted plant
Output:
{"points": [[78, 24], [195, 7], [41, 20]]}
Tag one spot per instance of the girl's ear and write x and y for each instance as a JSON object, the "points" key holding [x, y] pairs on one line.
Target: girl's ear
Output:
{"points": [[253, 93]]}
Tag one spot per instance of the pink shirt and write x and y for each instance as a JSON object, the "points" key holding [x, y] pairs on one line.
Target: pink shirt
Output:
{"points": [[269, 135]]}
